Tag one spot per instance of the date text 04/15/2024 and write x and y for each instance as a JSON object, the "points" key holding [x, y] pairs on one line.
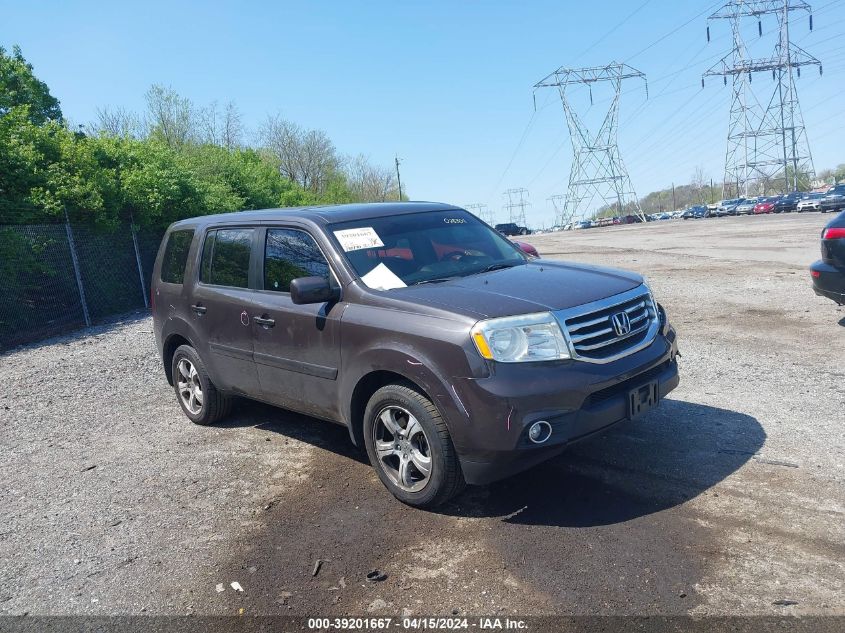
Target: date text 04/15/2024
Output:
{"points": [[417, 623]]}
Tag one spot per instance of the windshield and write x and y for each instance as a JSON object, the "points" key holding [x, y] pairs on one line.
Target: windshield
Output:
{"points": [[404, 250]]}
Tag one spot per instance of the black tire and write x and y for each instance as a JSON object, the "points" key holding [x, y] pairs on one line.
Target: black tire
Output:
{"points": [[215, 404], [446, 479]]}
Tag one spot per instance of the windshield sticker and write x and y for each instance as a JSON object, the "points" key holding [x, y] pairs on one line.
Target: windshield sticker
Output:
{"points": [[358, 239], [382, 278], [454, 220]]}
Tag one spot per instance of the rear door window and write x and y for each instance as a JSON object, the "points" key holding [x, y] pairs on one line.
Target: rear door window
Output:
{"points": [[176, 256], [225, 257], [288, 254]]}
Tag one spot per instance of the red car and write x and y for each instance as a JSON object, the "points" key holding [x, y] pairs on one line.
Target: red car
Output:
{"points": [[526, 248], [767, 205]]}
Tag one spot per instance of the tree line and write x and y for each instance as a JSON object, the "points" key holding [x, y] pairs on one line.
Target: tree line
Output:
{"points": [[173, 160]]}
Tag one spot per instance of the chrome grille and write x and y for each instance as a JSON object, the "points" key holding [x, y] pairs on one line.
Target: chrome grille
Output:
{"points": [[592, 336]]}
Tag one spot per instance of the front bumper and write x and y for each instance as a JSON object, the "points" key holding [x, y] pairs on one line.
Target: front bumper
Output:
{"points": [[828, 281], [578, 399]]}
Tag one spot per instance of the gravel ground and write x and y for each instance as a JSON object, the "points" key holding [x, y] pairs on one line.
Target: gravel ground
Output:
{"points": [[726, 499]]}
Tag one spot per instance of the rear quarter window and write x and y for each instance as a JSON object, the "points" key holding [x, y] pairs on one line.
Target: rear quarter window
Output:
{"points": [[225, 257], [176, 256]]}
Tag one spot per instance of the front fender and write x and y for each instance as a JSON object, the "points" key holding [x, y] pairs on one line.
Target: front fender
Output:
{"points": [[411, 365]]}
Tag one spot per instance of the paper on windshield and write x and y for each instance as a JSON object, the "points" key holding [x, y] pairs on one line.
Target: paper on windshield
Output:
{"points": [[382, 278], [357, 239]]}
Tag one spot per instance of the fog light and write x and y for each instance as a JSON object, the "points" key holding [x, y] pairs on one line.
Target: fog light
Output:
{"points": [[539, 432]]}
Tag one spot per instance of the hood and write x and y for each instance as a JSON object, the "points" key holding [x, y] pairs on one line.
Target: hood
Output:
{"points": [[538, 286]]}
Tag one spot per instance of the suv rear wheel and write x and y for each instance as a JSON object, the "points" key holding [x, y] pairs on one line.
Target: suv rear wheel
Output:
{"points": [[200, 400], [409, 446]]}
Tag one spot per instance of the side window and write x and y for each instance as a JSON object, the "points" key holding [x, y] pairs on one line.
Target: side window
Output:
{"points": [[290, 254], [176, 256], [225, 257]]}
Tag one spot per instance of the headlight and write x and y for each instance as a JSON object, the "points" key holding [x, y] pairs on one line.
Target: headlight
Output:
{"points": [[517, 339], [651, 294]]}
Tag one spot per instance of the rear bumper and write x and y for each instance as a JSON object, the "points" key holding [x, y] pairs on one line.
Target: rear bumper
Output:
{"points": [[828, 281], [577, 399]]}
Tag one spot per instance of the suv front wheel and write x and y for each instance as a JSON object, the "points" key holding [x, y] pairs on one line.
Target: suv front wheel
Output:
{"points": [[200, 400], [409, 446]]}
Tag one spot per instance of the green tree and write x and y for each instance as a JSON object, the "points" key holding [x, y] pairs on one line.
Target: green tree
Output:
{"points": [[26, 150], [19, 86]]}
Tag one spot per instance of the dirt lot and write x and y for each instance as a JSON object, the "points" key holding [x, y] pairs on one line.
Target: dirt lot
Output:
{"points": [[725, 500]]}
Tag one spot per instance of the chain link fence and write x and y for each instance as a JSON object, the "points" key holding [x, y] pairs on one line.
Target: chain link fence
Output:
{"points": [[58, 277]]}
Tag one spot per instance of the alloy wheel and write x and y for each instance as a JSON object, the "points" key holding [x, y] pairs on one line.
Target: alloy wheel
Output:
{"points": [[189, 386], [402, 448]]}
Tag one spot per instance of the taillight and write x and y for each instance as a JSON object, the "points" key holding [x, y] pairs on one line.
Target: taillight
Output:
{"points": [[815, 273], [833, 233]]}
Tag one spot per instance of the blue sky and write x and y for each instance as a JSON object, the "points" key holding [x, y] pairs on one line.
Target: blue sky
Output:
{"points": [[445, 85]]}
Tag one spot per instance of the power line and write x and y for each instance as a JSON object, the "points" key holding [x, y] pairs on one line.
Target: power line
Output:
{"points": [[516, 205], [673, 31], [764, 141], [612, 31], [481, 210], [597, 167]]}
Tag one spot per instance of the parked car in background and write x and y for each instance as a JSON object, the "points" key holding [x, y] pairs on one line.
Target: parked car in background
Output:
{"points": [[694, 213], [526, 248], [833, 199], [449, 356], [511, 228], [788, 202], [746, 207], [728, 207], [829, 272], [810, 202], [766, 205]]}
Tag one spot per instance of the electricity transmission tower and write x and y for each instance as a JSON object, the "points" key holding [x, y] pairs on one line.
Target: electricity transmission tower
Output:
{"points": [[517, 202], [597, 167], [558, 201], [768, 142], [481, 210]]}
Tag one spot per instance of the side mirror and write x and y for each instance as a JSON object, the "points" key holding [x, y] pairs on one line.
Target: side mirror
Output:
{"points": [[304, 290]]}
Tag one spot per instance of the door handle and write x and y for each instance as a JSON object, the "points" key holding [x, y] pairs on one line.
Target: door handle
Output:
{"points": [[199, 308], [264, 321]]}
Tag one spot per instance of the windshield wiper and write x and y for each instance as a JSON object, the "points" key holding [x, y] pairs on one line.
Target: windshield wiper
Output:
{"points": [[435, 280], [500, 265]]}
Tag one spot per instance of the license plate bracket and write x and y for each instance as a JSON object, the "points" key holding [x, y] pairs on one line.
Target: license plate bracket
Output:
{"points": [[643, 399]]}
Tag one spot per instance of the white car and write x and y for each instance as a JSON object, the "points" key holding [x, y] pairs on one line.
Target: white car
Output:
{"points": [[811, 202]]}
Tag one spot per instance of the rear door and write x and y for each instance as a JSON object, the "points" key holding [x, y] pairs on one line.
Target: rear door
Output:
{"points": [[222, 306], [297, 347]]}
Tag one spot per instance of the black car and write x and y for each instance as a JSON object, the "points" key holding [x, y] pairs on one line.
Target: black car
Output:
{"points": [[834, 198], [829, 272], [695, 212], [788, 202], [511, 228]]}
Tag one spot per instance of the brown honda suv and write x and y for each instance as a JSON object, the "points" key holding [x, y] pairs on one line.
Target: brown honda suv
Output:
{"points": [[451, 356]]}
